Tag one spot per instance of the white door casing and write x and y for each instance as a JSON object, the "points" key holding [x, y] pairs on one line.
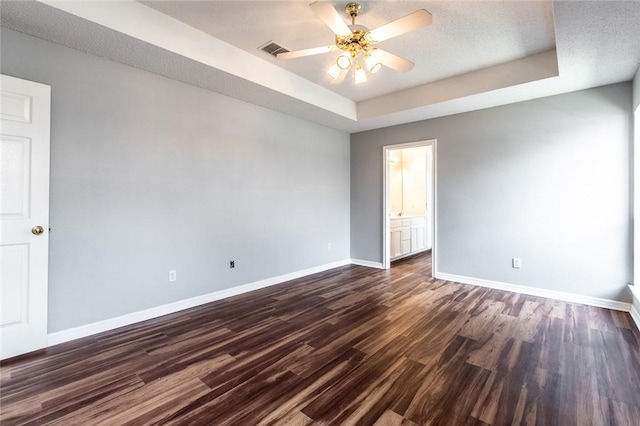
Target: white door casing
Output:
{"points": [[24, 204], [430, 232]]}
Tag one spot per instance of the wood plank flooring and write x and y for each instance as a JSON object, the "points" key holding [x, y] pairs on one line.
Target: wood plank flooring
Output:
{"points": [[352, 345]]}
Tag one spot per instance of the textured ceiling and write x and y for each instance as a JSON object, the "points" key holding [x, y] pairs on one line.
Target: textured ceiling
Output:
{"points": [[464, 36], [476, 54]]}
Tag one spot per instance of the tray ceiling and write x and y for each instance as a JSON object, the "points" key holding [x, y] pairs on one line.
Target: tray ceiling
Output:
{"points": [[476, 54]]}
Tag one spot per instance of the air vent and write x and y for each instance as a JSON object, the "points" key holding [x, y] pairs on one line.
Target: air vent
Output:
{"points": [[273, 48]]}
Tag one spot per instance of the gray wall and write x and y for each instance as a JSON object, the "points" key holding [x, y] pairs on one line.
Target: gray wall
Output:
{"points": [[636, 90], [148, 175], [545, 180]]}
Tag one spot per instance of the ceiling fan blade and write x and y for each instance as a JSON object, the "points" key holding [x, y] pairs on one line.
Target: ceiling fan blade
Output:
{"points": [[392, 61], [418, 19], [305, 52], [331, 17]]}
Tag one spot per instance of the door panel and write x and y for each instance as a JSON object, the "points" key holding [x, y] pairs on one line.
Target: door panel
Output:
{"points": [[15, 174], [15, 106], [24, 204], [414, 238], [406, 247], [396, 242], [15, 278]]}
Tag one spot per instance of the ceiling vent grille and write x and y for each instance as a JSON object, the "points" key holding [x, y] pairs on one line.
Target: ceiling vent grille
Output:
{"points": [[273, 48]]}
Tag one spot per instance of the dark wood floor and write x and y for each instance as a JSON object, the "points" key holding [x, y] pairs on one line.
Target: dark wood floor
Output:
{"points": [[349, 346]]}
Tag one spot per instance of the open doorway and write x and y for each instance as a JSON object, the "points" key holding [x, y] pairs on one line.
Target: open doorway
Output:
{"points": [[409, 201]]}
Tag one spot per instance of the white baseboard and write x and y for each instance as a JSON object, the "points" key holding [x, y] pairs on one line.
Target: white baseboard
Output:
{"points": [[158, 311], [635, 315], [367, 263], [533, 291]]}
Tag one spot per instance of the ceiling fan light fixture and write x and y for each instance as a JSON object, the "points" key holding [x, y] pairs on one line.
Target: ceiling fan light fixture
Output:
{"points": [[334, 71], [359, 75], [337, 74], [357, 57], [344, 61], [373, 65]]}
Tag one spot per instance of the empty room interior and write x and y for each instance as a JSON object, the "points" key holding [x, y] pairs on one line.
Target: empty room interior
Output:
{"points": [[319, 213]]}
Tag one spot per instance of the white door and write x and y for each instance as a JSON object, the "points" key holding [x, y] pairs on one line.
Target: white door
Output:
{"points": [[24, 215]]}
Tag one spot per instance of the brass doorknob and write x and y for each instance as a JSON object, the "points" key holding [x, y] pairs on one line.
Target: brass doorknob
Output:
{"points": [[37, 230]]}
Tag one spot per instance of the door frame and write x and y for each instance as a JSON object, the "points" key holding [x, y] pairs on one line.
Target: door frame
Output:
{"points": [[386, 223]]}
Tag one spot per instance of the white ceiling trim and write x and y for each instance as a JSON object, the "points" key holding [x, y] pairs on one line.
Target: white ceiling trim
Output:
{"points": [[144, 23], [526, 70]]}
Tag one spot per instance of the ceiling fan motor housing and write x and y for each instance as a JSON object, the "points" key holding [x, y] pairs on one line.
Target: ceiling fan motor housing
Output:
{"points": [[358, 41], [354, 43]]}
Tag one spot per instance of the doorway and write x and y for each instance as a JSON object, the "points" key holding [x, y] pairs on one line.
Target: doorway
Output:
{"points": [[409, 213]]}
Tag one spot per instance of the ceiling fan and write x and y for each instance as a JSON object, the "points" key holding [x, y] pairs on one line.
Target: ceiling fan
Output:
{"points": [[355, 42]]}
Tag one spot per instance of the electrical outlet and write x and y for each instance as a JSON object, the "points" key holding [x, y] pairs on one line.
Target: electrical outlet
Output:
{"points": [[516, 263], [232, 264], [173, 275], [329, 248]]}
